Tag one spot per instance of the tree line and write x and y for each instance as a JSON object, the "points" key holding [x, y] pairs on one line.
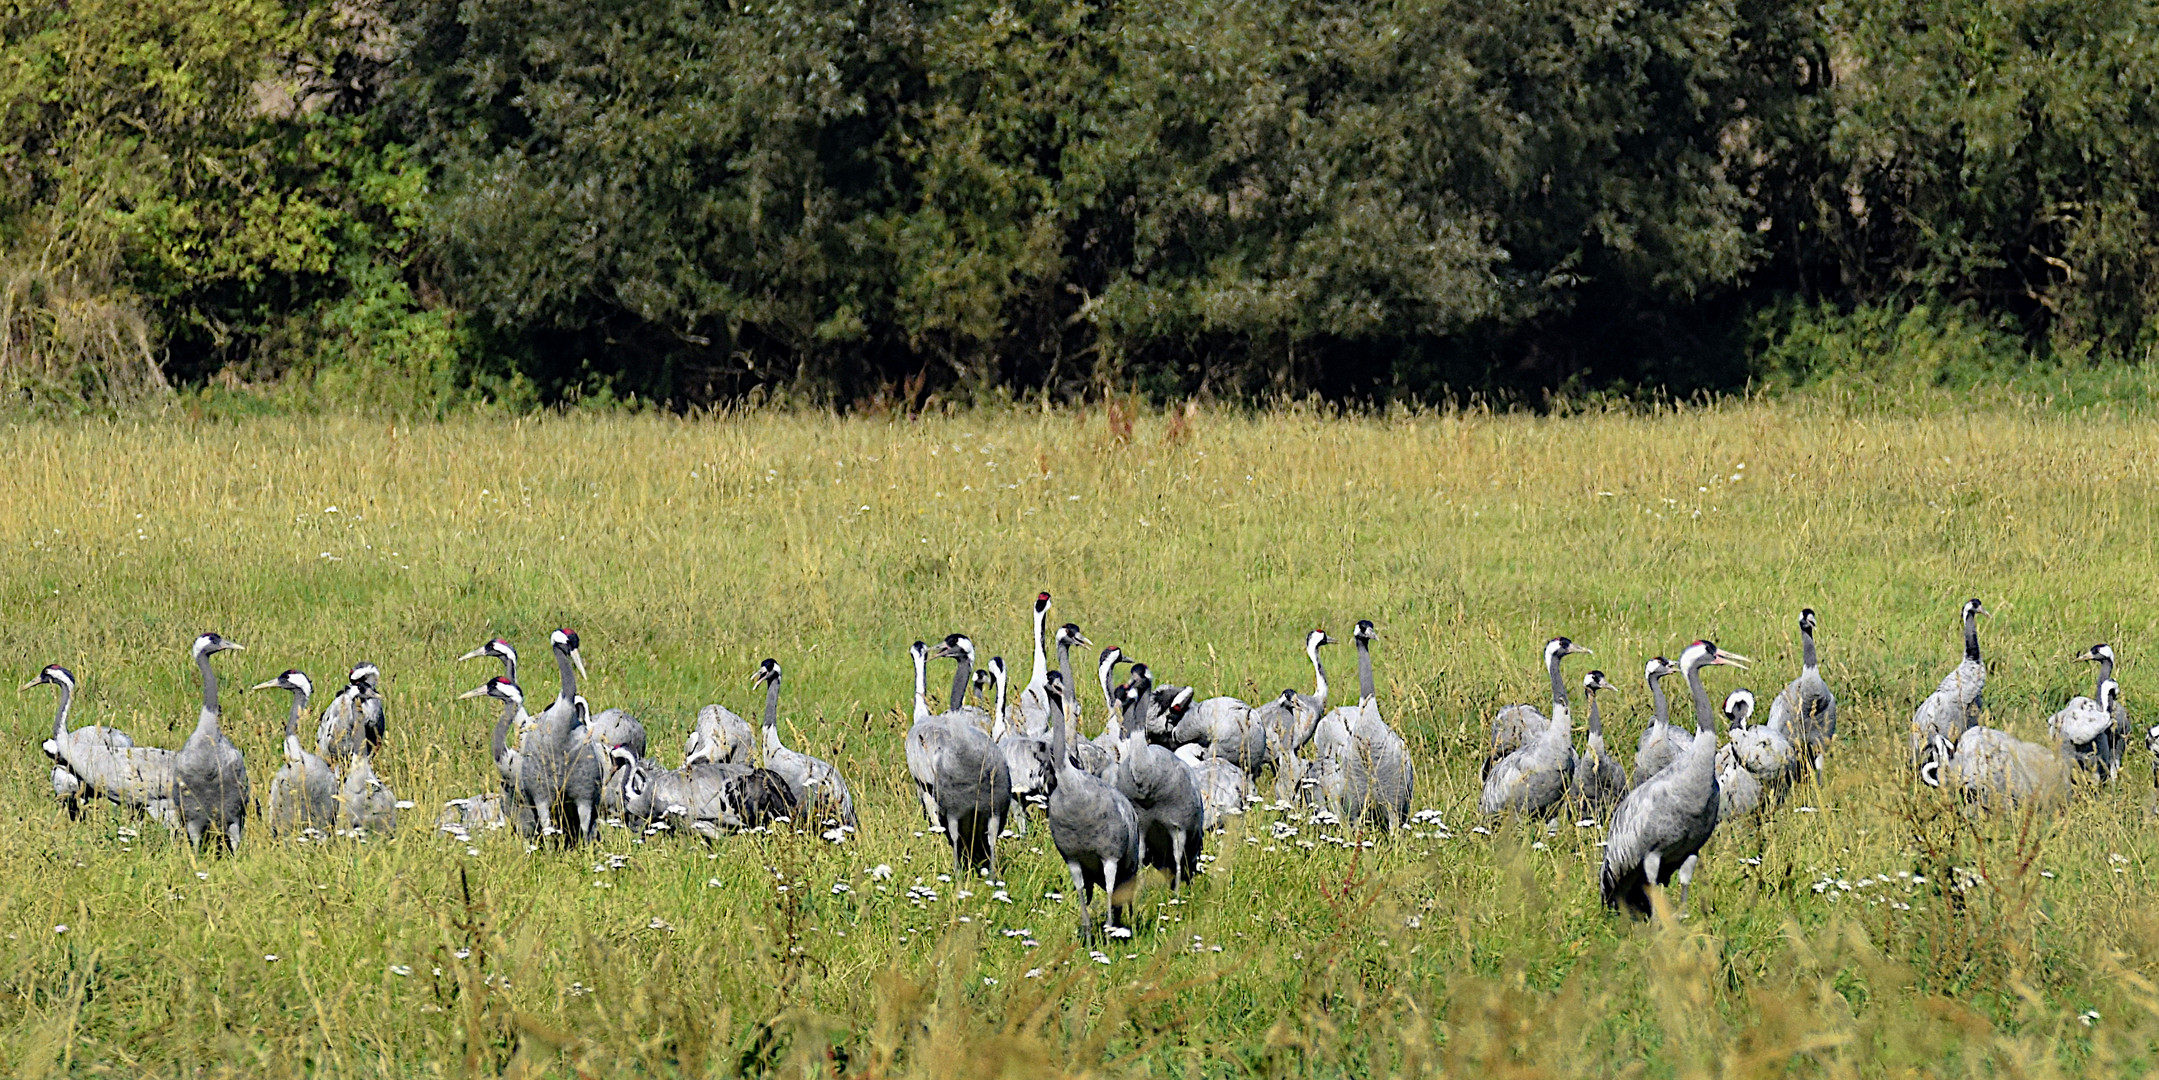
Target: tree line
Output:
{"points": [[861, 202]]}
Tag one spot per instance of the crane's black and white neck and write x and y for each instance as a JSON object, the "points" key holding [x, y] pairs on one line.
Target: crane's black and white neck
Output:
{"points": [[1738, 708], [1697, 656], [1068, 636], [1042, 661], [961, 648], [1972, 610], [569, 662], [1556, 650], [1363, 635], [920, 651], [1591, 683], [207, 646]]}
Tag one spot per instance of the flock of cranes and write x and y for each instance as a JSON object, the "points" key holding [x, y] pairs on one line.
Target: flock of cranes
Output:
{"points": [[1146, 792]]}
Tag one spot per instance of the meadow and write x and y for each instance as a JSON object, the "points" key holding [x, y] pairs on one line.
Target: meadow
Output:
{"points": [[1867, 927]]}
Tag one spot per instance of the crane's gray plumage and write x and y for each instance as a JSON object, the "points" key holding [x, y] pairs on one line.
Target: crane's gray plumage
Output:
{"points": [[1164, 797], [1659, 827], [720, 735], [1229, 729], [1532, 780], [1805, 711], [212, 773], [504, 741], [1600, 781], [1956, 703], [303, 794], [1515, 726], [365, 803], [965, 785], [103, 762], [707, 796], [1027, 758], [1224, 787], [1660, 743], [1285, 730], [354, 723], [561, 774], [1093, 825], [1378, 779], [1995, 770], [817, 786], [2084, 728], [1765, 752], [1753, 762]]}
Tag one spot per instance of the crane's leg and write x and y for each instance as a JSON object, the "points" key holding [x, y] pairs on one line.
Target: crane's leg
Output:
{"points": [[1109, 891], [232, 834], [1176, 859], [194, 832], [543, 814], [989, 836], [952, 833], [1651, 888], [1079, 886], [588, 819], [1686, 878]]}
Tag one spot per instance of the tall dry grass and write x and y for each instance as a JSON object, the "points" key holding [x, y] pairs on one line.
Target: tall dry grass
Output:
{"points": [[1866, 928]]}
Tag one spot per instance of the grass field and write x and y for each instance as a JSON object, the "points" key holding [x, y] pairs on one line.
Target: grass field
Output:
{"points": [[685, 551]]}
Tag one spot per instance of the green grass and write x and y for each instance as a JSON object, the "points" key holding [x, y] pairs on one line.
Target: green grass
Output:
{"points": [[683, 552]]}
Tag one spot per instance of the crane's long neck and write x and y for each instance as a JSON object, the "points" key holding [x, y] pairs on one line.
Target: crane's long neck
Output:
{"points": [[1041, 676], [772, 716], [1365, 690], [1662, 714], [998, 718], [499, 742], [208, 719], [1559, 681], [1064, 667], [2106, 671], [922, 685], [293, 750], [1971, 637], [1704, 715], [1136, 719], [1319, 678], [1059, 748], [1596, 723], [59, 718], [961, 673], [1806, 649], [569, 677], [509, 667], [1109, 700]]}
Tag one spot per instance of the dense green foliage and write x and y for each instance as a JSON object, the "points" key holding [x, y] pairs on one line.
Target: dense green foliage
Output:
{"points": [[419, 202]]}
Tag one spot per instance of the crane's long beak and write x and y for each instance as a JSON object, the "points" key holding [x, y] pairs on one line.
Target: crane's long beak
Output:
{"points": [[1733, 659], [33, 682], [475, 654], [1579, 650], [271, 685], [578, 659], [477, 691], [1082, 639], [235, 646]]}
